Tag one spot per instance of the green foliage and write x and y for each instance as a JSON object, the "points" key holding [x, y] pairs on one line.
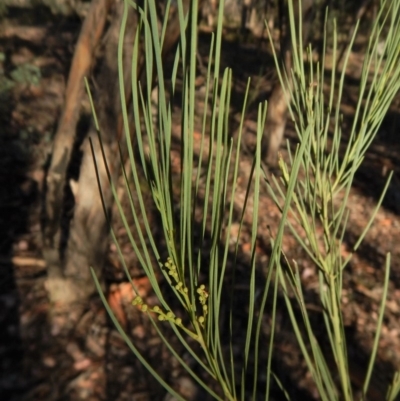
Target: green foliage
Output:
{"points": [[308, 191], [26, 74], [23, 74], [328, 177], [3, 10]]}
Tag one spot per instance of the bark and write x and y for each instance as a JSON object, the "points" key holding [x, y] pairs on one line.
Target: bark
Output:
{"points": [[70, 284], [64, 139], [87, 245], [69, 279]]}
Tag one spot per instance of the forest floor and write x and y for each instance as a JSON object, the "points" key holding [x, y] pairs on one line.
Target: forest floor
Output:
{"points": [[93, 363]]}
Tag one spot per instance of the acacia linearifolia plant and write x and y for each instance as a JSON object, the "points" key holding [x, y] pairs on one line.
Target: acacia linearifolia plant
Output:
{"points": [[194, 257]]}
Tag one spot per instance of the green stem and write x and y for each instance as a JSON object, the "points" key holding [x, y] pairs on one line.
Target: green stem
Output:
{"points": [[212, 361], [341, 358]]}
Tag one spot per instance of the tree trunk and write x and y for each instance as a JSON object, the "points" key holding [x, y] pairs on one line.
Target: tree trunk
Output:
{"points": [[64, 139], [70, 284]]}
